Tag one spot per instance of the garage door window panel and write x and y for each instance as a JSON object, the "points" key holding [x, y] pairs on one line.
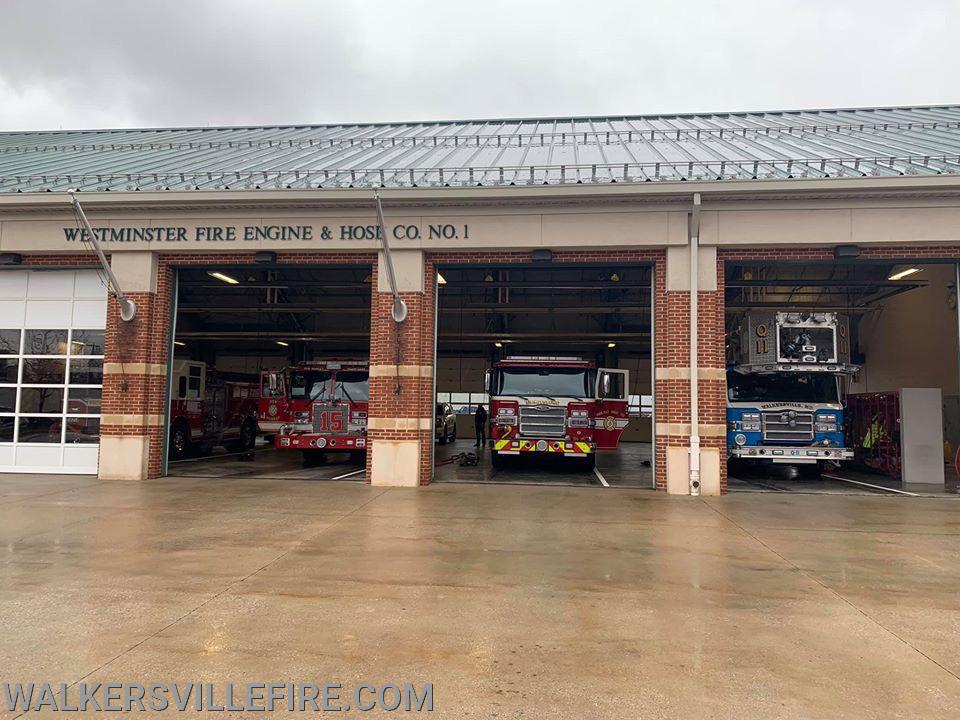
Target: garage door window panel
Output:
{"points": [[45, 342], [40, 429], [10, 342], [85, 430], [41, 400], [86, 372]]}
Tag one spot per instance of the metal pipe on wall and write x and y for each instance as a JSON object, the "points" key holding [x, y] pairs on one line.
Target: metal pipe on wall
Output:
{"points": [[694, 342]]}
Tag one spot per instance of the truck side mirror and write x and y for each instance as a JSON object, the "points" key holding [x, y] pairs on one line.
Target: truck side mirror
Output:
{"points": [[486, 381], [272, 382], [605, 385]]}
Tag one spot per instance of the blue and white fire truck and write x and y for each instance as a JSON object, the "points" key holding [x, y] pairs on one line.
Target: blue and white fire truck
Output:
{"points": [[785, 389]]}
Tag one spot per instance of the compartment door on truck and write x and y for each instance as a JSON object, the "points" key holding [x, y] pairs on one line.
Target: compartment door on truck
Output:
{"points": [[612, 400]]}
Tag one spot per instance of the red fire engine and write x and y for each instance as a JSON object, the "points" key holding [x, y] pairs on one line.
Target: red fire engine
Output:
{"points": [[327, 403], [559, 405], [211, 408], [273, 410]]}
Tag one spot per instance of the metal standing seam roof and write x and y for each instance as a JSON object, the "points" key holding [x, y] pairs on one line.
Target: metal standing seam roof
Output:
{"points": [[841, 143]]}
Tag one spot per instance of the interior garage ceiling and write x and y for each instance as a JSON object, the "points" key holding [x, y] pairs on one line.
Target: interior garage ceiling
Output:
{"points": [[327, 308], [532, 309], [850, 287]]}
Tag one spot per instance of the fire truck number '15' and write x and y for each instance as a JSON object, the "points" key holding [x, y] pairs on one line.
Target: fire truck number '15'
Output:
{"points": [[317, 407]]}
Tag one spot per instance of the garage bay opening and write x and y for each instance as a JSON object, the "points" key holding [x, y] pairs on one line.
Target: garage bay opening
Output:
{"points": [[543, 374], [842, 376], [269, 373]]}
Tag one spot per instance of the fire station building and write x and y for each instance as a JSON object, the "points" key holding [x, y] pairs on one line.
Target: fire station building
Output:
{"points": [[638, 243]]}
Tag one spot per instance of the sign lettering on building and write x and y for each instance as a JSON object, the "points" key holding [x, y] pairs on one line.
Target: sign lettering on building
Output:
{"points": [[241, 233]]}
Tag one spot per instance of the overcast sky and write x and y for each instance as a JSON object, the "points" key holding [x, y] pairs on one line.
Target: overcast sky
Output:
{"points": [[121, 63]]}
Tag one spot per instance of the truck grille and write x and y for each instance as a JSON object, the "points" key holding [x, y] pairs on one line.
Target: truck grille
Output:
{"points": [[543, 421], [336, 418], [782, 427]]}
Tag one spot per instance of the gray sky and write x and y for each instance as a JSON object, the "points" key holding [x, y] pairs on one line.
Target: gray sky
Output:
{"points": [[118, 63]]}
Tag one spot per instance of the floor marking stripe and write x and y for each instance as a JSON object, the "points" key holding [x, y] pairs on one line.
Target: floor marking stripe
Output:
{"points": [[878, 487], [355, 472], [601, 478]]}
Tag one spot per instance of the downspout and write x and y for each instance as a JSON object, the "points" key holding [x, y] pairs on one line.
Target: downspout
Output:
{"points": [[694, 342]]}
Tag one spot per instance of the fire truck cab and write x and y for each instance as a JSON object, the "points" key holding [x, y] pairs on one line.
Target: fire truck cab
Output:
{"points": [[273, 410], [784, 390], [327, 403], [555, 405], [210, 408]]}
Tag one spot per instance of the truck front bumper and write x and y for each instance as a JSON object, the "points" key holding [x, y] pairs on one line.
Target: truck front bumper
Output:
{"points": [[311, 441], [569, 448], [790, 455]]}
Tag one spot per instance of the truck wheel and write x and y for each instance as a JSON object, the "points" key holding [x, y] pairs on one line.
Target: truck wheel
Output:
{"points": [[313, 458], [247, 439], [179, 441]]}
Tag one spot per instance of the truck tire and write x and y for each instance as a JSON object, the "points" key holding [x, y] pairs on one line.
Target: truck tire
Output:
{"points": [[248, 437], [179, 441], [313, 458]]}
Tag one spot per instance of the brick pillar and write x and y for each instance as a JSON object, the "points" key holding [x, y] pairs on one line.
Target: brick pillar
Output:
{"points": [[135, 372], [672, 375], [400, 422]]}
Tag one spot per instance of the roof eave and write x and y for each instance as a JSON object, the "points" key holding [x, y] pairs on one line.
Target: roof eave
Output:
{"points": [[726, 189]]}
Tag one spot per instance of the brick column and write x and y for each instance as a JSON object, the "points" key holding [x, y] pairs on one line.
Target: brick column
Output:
{"points": [[135, 372], [400, 422], [672, 376]]}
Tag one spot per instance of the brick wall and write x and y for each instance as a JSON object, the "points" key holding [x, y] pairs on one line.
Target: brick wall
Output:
{"points": [[406, 347]]}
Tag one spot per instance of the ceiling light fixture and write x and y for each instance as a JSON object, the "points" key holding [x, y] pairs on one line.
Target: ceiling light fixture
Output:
{"points": [[611, 344], [498, 344], [903, 273], [226, 278], [179, 344], [282, 343]]}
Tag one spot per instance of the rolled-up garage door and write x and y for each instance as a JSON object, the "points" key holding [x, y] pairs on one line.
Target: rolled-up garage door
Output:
{"points": [[51, 370]]}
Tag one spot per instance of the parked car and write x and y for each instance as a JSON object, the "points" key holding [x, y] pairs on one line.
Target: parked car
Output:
{"points": [[445, 429]]}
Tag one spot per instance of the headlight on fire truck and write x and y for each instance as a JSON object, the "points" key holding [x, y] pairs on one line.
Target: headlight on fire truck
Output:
{"points": [[750, 422], [301, 415], [579, 418], [827, 423], [506, 416]]}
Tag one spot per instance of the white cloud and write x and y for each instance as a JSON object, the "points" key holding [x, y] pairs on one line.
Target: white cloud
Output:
{"points": [[152, 62]]}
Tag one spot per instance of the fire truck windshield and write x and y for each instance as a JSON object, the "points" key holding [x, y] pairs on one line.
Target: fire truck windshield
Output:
{"points": [[543, 381], [353, 385], [810, 387], [310, 385]]}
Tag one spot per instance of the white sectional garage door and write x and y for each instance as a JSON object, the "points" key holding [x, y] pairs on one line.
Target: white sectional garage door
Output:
{"points": [[51, 370]]}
